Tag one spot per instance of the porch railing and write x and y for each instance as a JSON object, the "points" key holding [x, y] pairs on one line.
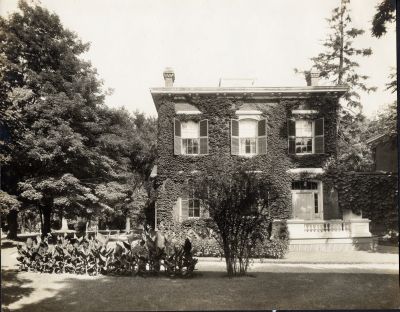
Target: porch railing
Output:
{"points": [[326, 226]]}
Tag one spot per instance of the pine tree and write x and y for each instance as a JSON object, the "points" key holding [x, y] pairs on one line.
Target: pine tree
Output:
{"points": [[338, 65]]}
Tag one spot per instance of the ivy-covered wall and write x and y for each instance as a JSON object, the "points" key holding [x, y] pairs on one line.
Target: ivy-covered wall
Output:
{"points": [[374, 194], [173, 170]]}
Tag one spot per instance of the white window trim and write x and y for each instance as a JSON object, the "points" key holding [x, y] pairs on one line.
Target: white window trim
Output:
{"points": [[188, 112], [254, 115], [304, 111], [189, 217], [320, 192], [198, 138]]}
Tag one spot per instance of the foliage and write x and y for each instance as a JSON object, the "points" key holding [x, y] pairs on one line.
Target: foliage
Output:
{"points": [[338, 64], [373, 194], [385, 123], [8, 202], [239, 202], [93, 256], [63, 144], [385, 13]]}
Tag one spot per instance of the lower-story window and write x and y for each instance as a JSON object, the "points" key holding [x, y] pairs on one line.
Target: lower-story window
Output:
{"points": [[190, 205], [194, 208]]}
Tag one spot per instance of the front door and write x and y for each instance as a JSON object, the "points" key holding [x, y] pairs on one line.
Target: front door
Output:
{"points": [[305, 206]]}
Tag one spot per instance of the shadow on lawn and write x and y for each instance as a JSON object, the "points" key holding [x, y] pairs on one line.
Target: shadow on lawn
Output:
{"points": [[210, 290], [11, 287]]}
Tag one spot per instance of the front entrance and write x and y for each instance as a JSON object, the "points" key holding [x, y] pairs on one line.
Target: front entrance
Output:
{"points": [[307, 200]]}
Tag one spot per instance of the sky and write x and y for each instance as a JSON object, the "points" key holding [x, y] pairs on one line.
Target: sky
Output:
{"points": [[132, 41]]}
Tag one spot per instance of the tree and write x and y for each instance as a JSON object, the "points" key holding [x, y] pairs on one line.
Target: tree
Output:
{"points": [[238, 201], [9, 206], [385, 13], [338, 65], [62, 141]]}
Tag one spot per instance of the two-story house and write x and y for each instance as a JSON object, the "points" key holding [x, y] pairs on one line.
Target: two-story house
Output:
{"points": [[289, 131]]}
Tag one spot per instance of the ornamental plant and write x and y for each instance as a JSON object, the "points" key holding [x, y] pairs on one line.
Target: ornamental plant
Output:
{"points": [[94, 256]]}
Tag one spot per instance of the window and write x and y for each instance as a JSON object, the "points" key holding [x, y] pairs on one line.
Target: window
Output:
{"points": [[190, 137], [307, 199], [248, 137], [190, 205], [306, 136]]}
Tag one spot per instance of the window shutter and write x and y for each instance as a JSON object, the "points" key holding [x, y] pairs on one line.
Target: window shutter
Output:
{"points": [[184, 208], [234, 137], [292, 136], [319, 136], [177, 137], [262, 137], [204, 137]]}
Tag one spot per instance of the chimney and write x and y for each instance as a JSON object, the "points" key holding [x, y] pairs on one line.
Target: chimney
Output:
{"points": [[169, 77], [312, 77]]}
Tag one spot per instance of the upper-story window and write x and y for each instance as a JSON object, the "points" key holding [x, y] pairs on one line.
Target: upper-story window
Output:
{"points": [[306, 136], [190, 137], [248, 137]]}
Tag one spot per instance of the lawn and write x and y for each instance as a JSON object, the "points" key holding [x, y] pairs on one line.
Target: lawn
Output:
{"points": [[207, 290]]}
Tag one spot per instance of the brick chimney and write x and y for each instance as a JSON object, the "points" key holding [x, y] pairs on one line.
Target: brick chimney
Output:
{"points": [[169, 77], [312, 77]]}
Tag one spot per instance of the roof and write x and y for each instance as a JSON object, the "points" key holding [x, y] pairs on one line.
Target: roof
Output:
{"points": [[378, 138], [253, 92]]}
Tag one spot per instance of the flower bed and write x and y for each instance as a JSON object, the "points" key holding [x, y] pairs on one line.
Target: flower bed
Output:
{"points": [[93, 256]]}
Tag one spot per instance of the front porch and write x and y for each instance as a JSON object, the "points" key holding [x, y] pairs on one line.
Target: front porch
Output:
{"points": [[330, 235]]}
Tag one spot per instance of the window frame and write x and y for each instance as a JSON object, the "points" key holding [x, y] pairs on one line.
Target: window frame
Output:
{"points": [[256, 119], [179, 147], [294, 138]]}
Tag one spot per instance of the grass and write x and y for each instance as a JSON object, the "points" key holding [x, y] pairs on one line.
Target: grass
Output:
{"points": [[205, 291], [268, 287]]}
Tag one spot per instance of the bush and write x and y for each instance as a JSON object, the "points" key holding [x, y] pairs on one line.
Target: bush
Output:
{"points": [[271, 245]]}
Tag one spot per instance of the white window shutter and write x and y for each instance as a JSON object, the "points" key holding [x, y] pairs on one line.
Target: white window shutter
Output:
{"points": [[262, 137], [177, 137], [234, 137], [319, 136], [184, 209], [204, 137]]}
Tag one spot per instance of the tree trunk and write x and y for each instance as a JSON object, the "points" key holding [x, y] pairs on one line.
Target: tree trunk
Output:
{"points": [[64, 224], [12, 221], [46, 227], [342, 11], [128, 225]]}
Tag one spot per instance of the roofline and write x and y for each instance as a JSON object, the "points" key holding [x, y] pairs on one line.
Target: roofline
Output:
{"points": [[250, 90], [377, 138]]}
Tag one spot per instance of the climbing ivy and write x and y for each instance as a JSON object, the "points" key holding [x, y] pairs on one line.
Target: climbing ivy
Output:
{"points": [[174, 170]]}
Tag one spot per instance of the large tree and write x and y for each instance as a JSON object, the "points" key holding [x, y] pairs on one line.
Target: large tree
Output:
{"points": [[62, 141], [338, 65]]}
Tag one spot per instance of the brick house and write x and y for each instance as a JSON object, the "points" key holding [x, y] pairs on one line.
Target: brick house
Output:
{"points": [[289, 130]]}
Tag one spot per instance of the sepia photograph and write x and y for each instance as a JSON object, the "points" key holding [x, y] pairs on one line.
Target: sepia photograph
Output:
{"points": [[171, 155]]}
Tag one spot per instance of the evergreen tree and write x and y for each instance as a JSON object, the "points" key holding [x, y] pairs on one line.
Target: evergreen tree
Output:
{"points": [[338, 65]]}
